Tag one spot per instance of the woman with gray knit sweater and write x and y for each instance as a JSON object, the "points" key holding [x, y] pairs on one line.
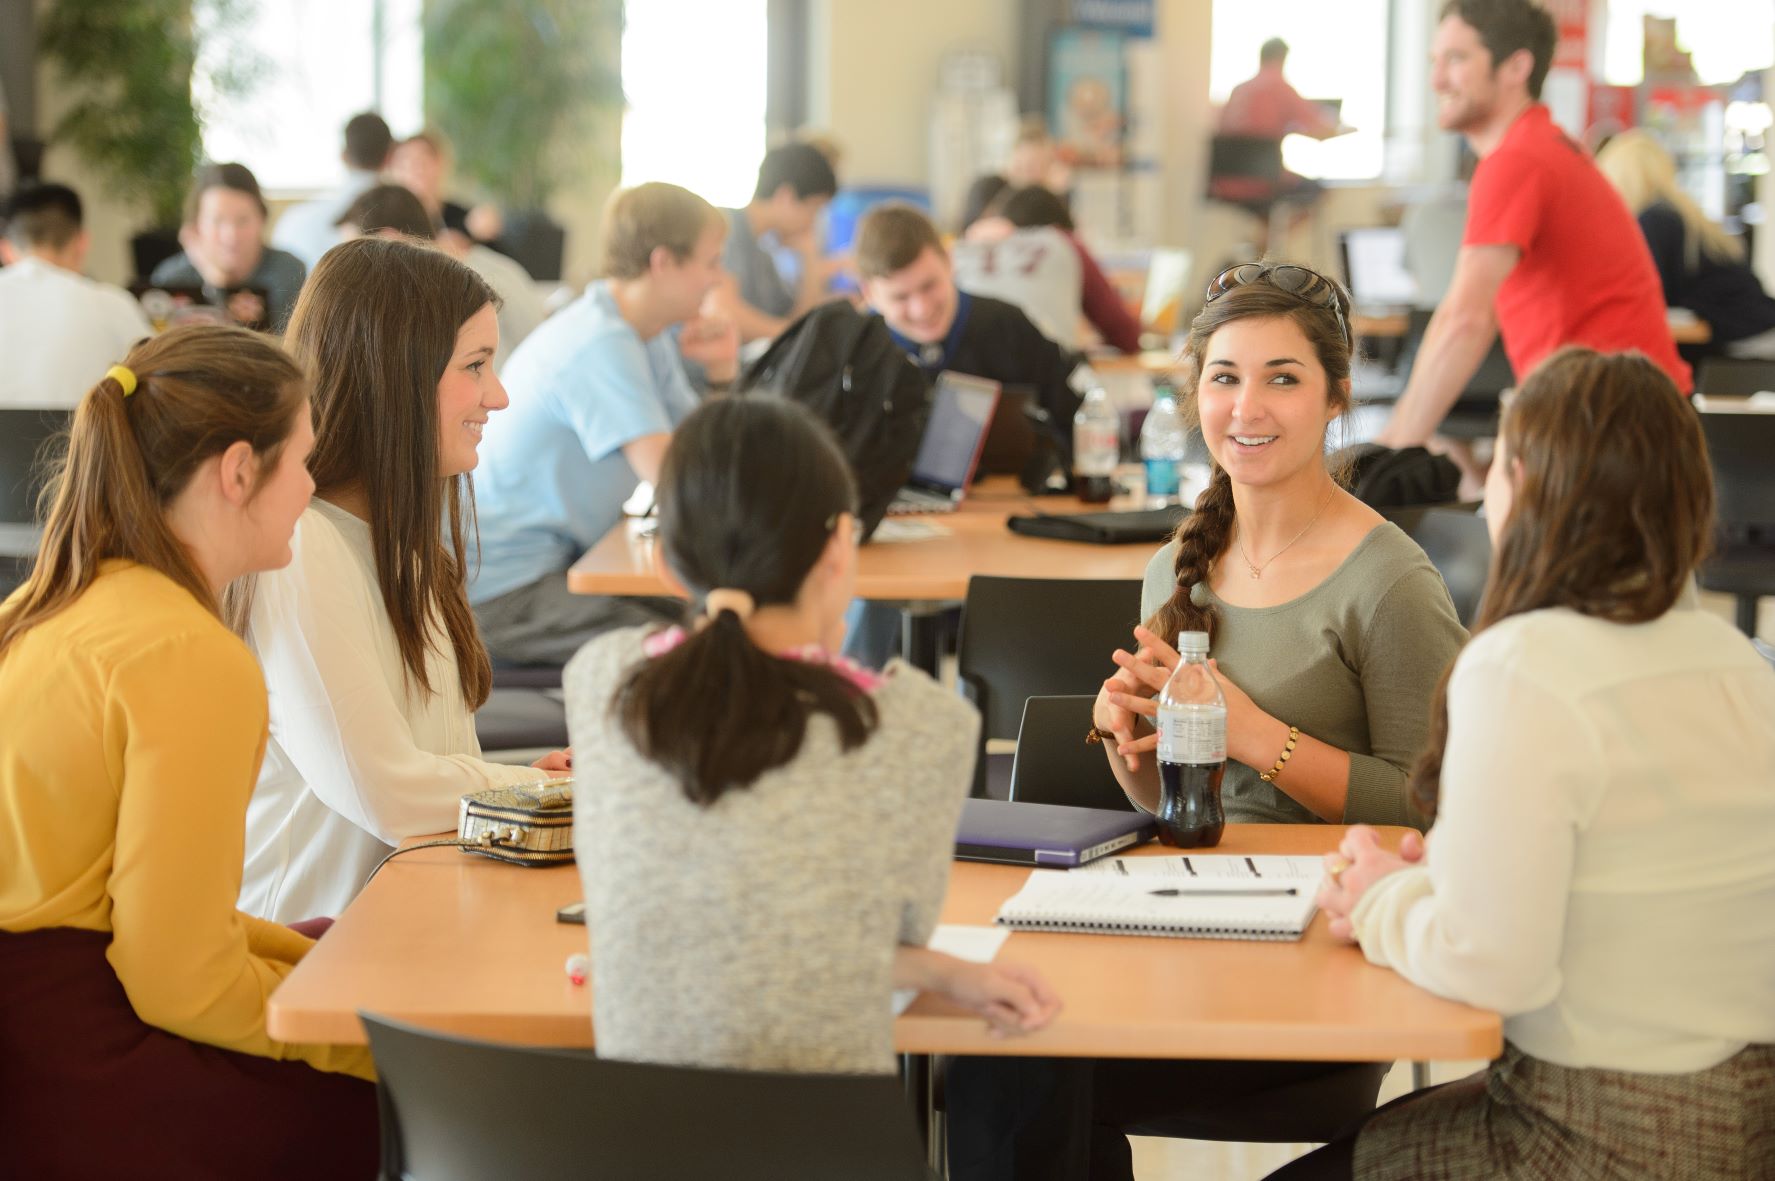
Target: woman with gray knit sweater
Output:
{"points": [[765, 829]]}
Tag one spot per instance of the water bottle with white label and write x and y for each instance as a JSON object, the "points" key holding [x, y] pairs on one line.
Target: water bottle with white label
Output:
{"points": [[1192, 749]]}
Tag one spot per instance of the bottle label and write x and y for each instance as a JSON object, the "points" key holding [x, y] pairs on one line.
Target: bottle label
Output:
{"points": [[1162, 477], [1096, 447], [1194, 737]]}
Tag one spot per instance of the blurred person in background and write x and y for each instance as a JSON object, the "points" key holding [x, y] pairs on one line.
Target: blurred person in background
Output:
{"points": [[225, 251], [1700, 266]]}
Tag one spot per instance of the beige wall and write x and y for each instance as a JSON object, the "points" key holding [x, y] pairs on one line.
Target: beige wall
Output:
{"points": [[875, 68]]}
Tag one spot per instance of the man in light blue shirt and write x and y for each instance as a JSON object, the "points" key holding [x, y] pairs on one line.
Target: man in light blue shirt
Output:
{"points": [[595, 393]]}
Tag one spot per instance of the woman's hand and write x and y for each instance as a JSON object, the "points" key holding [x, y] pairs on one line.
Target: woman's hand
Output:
{"points": [[1013, 998], [556, 762], [1359, 863]]}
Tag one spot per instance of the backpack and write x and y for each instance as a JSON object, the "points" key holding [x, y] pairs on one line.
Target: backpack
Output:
{"points": [[844, 366], [1383, 478]]}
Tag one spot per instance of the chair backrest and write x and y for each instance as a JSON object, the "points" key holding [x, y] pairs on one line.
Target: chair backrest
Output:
{"points": [[23, 434], [1457, 544], [454, 1109], [1742, 448], [1734, 376], [1055, 765], [1255, 156], [1493, 376], [1024, 637]]}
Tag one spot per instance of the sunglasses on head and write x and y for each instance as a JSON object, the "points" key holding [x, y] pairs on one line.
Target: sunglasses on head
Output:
{"points": [[1309, 285]]}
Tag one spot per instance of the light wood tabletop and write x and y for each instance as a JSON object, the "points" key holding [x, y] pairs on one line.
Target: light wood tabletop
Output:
{"points": [[973, 540], [459, 943]]}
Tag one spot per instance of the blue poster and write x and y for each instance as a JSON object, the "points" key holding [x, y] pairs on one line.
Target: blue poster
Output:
{"points": [[1133, 17], [1088, 95]]}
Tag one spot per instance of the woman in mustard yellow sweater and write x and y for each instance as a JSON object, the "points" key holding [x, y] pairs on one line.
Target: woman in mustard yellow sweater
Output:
{"points": [[132, 722]]}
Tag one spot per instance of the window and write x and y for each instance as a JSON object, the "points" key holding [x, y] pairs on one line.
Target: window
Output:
{"points": [[322, 61], [693, 72], [1336, 51], [1725, 38]]}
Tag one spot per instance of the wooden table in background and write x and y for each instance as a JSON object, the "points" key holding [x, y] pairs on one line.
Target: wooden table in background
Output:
{"points": [[975, 541], [463, 944]]}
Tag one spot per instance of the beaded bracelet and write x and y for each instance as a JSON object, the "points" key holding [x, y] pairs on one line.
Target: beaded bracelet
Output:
{"points": [[1287, 752]]}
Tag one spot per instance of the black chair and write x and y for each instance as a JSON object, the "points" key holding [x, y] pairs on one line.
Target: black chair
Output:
{"points": [[1742, 448], [1734, 377], [1055, 765], [454, 1109], [1027, 637], [1475, 414], [1457, 543], [25, 441]]}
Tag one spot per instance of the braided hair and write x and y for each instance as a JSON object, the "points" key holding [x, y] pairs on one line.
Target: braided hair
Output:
{"points": [[1204, 534]]}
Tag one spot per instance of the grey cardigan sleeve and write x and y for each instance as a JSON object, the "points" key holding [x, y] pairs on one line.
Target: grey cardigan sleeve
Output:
{"points": [[1411, 639]]}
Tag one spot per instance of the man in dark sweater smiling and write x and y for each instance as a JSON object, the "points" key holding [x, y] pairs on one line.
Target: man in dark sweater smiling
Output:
{"points": [[908, 280]]}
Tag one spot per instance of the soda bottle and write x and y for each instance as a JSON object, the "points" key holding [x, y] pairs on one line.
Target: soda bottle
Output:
{"points": [[1162, 440], [1096, 446], [1192, 749]]}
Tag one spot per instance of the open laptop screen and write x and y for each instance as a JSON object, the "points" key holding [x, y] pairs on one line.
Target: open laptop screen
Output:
{"points": [[961, 411], [1374, 264]]}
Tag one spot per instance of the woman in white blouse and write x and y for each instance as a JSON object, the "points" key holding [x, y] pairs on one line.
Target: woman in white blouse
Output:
{"points": [[1602, 866], [370, 651]]}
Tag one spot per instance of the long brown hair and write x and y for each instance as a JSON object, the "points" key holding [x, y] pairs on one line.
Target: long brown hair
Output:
{"points": [[1612, 510], [1205, 533], [199, 390], [376, 327], [749, 494]]}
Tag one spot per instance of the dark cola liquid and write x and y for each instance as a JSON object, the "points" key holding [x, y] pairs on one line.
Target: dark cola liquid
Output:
{"points": [[1096, 489], [1190, 815]]}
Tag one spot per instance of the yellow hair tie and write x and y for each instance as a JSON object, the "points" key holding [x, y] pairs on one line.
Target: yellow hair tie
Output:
{"points": [[122, 375]]}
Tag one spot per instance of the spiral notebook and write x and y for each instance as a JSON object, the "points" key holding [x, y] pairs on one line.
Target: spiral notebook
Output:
{"points": [[1207, 904]]}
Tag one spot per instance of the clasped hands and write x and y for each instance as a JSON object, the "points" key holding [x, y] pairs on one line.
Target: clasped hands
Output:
{"points": [[1132, 694]]}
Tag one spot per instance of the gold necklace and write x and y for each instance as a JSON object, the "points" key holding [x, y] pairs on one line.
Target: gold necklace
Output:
{"points": [[1257, 570]]}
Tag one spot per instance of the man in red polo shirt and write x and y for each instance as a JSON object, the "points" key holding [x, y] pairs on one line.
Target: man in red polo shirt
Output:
{"points": [[1550, 255]]}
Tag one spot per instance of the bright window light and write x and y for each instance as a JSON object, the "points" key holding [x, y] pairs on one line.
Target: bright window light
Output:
{"points": [[322, 66], [1725, 38], [693, 72], [1336, 51]]}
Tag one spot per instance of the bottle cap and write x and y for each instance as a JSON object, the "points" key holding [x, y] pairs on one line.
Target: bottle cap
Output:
{"points": [[1192, 643]]}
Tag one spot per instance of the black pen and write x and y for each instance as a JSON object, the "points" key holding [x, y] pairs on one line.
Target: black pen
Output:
{"points": [[1196, 892]]}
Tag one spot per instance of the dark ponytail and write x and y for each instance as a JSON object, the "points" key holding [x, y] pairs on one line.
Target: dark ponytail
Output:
{"points": [[1205, 534], [194, 392], [749, 495]]}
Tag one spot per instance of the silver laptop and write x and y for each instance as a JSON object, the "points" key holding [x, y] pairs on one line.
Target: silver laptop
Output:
{"points": [[954, 437]]}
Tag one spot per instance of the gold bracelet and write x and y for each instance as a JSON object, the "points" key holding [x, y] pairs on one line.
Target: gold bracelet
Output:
{"points": [[1097, 734], [1287, 752]]}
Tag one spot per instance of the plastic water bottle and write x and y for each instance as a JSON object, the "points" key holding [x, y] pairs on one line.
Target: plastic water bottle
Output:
{"points": [[1192, 749], [1096, 447], [1162, 440]]}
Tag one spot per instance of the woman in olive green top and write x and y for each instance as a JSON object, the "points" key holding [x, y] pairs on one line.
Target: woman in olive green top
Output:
{"points": [[1329, 630]]}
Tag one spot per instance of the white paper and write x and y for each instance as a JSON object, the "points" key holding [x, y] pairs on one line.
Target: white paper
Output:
{"points": [[901, 529], [977, 945]]}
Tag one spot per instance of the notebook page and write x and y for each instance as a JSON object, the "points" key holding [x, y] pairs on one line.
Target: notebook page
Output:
{"points": [[1222, 907], [1211, 867]]}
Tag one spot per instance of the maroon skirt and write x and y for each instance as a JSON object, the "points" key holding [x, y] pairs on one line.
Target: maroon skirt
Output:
{"points": [[89, 1090]]}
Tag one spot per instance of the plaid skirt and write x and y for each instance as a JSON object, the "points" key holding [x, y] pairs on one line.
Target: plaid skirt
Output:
{"points": [[1522, 1119]]}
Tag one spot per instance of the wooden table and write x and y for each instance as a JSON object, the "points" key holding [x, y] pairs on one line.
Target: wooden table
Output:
{"points": [[455, 942], [923, 575], [975, 541]]}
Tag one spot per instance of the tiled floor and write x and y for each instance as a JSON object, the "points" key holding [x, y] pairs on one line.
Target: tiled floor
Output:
{"points": [[1199, 1160]]}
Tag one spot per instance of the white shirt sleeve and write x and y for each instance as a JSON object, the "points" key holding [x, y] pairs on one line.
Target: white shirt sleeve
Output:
{"points": [[339, 711], [1483, 920]]}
